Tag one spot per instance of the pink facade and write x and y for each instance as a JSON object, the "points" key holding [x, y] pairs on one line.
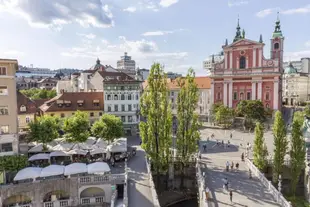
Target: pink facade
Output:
{"points": [[245, 74]]}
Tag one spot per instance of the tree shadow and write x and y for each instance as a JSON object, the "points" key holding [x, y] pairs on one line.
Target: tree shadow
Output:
{"points": [[214, 146]]}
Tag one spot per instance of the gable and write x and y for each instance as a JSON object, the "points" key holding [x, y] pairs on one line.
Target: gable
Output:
{"points": [[244, 42]]}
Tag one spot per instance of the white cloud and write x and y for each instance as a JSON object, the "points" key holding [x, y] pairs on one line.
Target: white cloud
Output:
{"points": [[130, 9], [138, 46], [88, 36], [167, 3], [265, 12], [161, 33], [14, 54], [232, 3], [57, 13], [291, 56], [307, 43], [301, 10]]}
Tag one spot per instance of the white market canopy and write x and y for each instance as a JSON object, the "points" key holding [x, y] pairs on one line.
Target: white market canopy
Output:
{"points": [[75, 168], [91, 140], [63, 147], [83, 146], [98, 168], [98, 151], [52, 170], [101, 143], [39, 148], [77, 152], [28, 173], [58, 154], [41, 156]]}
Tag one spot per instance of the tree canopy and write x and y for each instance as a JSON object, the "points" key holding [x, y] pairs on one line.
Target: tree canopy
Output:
{"points": [[224, 115], [260, 151], [76, 127], [13, 163], [246, 109], [44, 129], [109, 127], [36, 93]]}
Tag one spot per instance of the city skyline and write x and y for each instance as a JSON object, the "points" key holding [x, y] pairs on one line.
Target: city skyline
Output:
{"points": [[63, 35]]}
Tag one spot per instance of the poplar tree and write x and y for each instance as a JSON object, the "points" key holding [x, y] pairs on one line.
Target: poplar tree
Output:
{"points": [[297, 153], [260, 151], [188, 124], [281, 145], [156, 130]]}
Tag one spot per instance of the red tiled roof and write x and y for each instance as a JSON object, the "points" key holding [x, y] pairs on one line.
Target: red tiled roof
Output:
{"points": [[71, 101], [23, 100]]}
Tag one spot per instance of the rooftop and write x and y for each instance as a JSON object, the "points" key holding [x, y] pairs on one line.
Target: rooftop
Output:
{"points": [[30, 105]]}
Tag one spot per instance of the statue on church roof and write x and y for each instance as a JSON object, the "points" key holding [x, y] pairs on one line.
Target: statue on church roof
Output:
{"points": [[243, 34], [260, 38]]}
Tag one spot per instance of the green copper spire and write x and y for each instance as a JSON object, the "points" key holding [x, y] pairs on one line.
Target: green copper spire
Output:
{"points": [[238, 33], [277, 29], [226, 42], [261, 38]]}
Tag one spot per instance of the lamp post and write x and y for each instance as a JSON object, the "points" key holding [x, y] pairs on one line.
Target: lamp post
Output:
{"points": [[280, 183]]}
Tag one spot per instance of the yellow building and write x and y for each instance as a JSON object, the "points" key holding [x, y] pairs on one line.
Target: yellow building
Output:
{"points": [[67, 103]]}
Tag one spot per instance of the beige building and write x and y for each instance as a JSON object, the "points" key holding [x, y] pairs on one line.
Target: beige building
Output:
{"points": [[8, 104]]}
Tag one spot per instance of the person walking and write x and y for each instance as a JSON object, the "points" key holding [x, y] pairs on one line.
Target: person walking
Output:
{"points": [[230, 135], [227, 166], [237, 165], [232, 165], [231, 195]]}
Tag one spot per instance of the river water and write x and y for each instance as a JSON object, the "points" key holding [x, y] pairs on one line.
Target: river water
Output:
{"points": [[188, 203]]}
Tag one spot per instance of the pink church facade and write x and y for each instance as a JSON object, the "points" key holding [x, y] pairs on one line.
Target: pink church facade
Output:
{"points": [[245, 74]]}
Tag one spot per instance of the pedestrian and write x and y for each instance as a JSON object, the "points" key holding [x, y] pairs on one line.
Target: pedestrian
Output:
{"points": [[223, 143], [242, 156], [230, 195], [227, 166], [230, 135], [232, 165], [250, 174], [237, 165]]}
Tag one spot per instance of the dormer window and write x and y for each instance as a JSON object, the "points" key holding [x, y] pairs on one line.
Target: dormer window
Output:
{"points": [[96, 102], [23, 108], [80, 103], [242, 62], [68, 103]]}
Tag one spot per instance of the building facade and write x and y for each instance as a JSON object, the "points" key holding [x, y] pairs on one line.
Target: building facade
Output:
{"points": [[302, 65], [172, 75], [296, 86], [8, 104], [245, 74], [126, 63], [208, 64]]}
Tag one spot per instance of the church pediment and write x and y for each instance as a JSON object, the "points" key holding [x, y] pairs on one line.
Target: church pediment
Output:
{"points": [[244, 42]]}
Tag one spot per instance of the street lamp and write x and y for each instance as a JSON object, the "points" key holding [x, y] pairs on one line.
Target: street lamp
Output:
{"points": [[280, 183]]}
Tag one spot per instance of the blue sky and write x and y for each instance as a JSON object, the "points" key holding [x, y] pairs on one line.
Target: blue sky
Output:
{"points": [[177, 33]]}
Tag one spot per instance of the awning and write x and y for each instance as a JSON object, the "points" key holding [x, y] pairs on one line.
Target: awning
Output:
{"points": [[101, 143], [28, 173], [98, 168], [63, 147], [117, 147], [41, 156], [77, 152], [75, 168], [98, 151], [58, 154], [52, 170], [39, 148]]}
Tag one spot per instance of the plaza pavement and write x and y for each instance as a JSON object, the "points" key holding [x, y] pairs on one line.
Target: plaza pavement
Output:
{"points": [[246, 192], [139, 193]]}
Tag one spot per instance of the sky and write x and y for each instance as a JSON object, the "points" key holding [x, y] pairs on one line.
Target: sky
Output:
{"points": [[177, 33]]}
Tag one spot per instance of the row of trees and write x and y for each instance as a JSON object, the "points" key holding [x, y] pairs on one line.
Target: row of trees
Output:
{"points": [[297, 148], [76, 128], [156, 131], [36, 93]]}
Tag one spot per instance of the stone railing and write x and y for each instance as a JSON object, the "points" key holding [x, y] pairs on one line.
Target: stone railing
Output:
{"points": [[203, 202], [152, 186], [111, 178], [275, 193], [21, 205], [60, 203], [93, 200], [114, 198]]}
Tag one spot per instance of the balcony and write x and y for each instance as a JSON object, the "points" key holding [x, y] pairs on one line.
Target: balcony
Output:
{"points": [[60, 203], [113, 179], [92, 200]]}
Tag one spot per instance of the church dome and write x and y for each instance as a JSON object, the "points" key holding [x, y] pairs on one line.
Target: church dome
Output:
{"points": [[290, 69], [98, 66]]}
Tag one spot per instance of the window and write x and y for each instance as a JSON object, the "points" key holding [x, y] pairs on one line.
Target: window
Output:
{"points": [[129, 118], [248, 95], [4, 129], [22, 108], [109, 108], [123, 107], [123, 118], [218, 97], [235, 95], [242, 62], [115, 97], [27, 119], [91, 114], [241, 96], [137, 97], [172, 93], [2, 71], [62, 115], [6, 147], [123, 96], [52, 114], [115, 107], [100, 113], [129, 107], [267, 96], [109, 97], [4, 110], [276, 46], [129, 96], [267, 106], [3, 90], [122, 88]]}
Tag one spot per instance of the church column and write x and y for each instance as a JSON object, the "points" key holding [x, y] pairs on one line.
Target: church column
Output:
{"points": [[276, 94], [231, 59], [254, 58], [225, 94], [212, 92], [230, 104], [253, 90], [259, 91], [260, 57], [226, 61]]}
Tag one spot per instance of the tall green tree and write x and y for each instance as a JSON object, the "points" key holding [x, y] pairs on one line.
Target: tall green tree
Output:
{"points": [[281, 145], [224, 116], [109, 127], [188, 125], [44, 129], [260, 151], [76, 127], [245, 108], [297, 153], [156, 110]]}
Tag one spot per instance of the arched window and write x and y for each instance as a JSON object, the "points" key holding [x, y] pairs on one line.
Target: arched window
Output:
{"points": [[242, 62], [115, 97], [267, 96], [122, 97], [276, 46], [23, 108], [241, 96]]}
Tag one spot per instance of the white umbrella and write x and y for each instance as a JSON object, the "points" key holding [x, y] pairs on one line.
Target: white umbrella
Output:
{"points": [[41, 156], [59, 154], [117, 147], [28, 173], [98, 151], [63, 147], [98, 167], [75, 168], [101, 143], [77, 152], [90, 140], [52, 170], [83, 146]]}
